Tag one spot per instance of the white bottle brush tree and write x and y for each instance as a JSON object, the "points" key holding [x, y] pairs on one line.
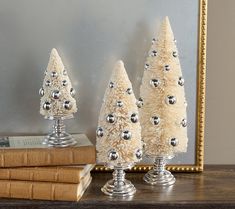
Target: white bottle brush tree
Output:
{"points": [[118, 141], [57, 101], [163, 105]]}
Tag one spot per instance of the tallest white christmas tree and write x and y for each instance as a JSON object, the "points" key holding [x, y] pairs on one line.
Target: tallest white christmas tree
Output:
{"points": [[163, 113]]}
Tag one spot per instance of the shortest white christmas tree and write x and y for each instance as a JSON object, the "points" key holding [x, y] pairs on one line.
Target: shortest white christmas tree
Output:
{"points": [[118, 141], [57, 101]]}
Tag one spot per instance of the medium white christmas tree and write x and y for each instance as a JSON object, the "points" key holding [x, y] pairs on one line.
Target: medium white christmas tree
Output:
{"points": [[163, 110], [118, 142], [57, 99]]}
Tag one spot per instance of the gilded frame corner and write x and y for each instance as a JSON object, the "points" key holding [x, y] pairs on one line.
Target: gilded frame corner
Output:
{"points": [[201, 87]]}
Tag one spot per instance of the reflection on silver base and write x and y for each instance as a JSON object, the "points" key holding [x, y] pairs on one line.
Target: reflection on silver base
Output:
{"points": [[158, 175], [58, 137], [118, 186]]}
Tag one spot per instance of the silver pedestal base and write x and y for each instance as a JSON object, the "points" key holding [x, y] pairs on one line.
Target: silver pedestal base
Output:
{"points": [[58, 137], [159, 175], [118, 186]]}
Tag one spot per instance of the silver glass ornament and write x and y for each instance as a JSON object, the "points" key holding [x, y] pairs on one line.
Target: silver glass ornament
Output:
{"points": [[170, 100], [41, 92], [153, 40], [184, 123], [146, 66], [139, 154], [174, 53], [113, 155], [99, 132], [64, 82], [134, 118], [181, 81], [174, 142], [111, 85], [65, 72], [129, 91], [154, 83], [56, 94], [155, 120], [46, 106], [67, 105], [72, 92], [167, 68], [119, 103], [139, 103], [110, 118], [54, 74], [48, 83], [119, 186], [59, 137], [153, 53], [175, 40], [159, 175], [126, 135]]}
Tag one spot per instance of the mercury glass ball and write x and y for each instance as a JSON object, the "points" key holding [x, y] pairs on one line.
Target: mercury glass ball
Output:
{"points": [[140, 103], [119, 103], [139, 154], [129, 91], [72, 92], [110, 118], [54, 74], [155, 120], [134, 118], [171, 100], [56, 94], [126, 135], [64, 82], [154, 83], [41, 92], [99, 132], [174, 54], [184, 123], [67, 105], [154, 53], [111, 85], [167, 67], [48, 83], [112, 155], [46, 106], [181, 81], [174, 142]]}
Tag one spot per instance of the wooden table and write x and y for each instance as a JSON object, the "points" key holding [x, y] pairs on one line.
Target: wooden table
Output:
{"points": [[214, 188]]}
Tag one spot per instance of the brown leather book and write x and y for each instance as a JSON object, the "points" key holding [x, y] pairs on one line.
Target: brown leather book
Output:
{"points": [[27, 151], [44, 190], [62, 174]]}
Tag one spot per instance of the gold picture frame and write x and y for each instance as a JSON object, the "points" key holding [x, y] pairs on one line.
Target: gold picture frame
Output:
{"points": [[201, 79]]}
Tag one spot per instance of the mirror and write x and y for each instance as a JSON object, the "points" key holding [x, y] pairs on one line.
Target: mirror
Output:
{"points": [[90, 36]]}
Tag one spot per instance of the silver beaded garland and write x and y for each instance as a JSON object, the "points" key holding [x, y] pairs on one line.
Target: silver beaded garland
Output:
{"points": [[140, 103], [99, 132], [41, 92], [110, 118], [129, 91], [181, 81], [174, 142], [167, 67], [184, 122], [64, 82], [119, 103], [170, 100], [134, 118], [56, 94], [72, 92], [155, 120], [67, 105], [154, 83], [48, 83], [113, 155], [174, 54], [126, 135], [138, 154], [154, 53], [46, 106], [111, 85], [54, 74]]}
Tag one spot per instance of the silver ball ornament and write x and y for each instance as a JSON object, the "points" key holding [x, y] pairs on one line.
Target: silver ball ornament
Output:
{"points": [[48, 83], [181, 81], [174, 142], [184, 123], [110, 118], [146, 66], [155, 120], [67, 105], [56, 94], [72, 92], [154, 53], [134, 118], [138, 154], [99, 132], [119, 103], [54, 74], [170, 100], [65, 72], [140, 103], [126, 135], [129, 91], [41, 92], [46, 106], [113, 155], [167, 68], [154, 83], [153, 40], [64, 82], [111, 85], [174, 53]]}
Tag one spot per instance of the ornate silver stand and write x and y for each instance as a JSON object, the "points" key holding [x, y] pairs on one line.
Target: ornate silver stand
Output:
{"points": [[119, 186], [58, 137], [159, 175]]}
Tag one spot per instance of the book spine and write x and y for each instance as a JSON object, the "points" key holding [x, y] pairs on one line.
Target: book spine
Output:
{"points": [[43, 190], [56, 174], [47, 157]]}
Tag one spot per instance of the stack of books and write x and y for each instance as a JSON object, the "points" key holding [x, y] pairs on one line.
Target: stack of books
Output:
{"points": [[30, 170]]}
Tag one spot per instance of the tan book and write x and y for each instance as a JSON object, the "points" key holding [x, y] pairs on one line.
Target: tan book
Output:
{"points": [[61, 174], [44, 190], [29, 151]]}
